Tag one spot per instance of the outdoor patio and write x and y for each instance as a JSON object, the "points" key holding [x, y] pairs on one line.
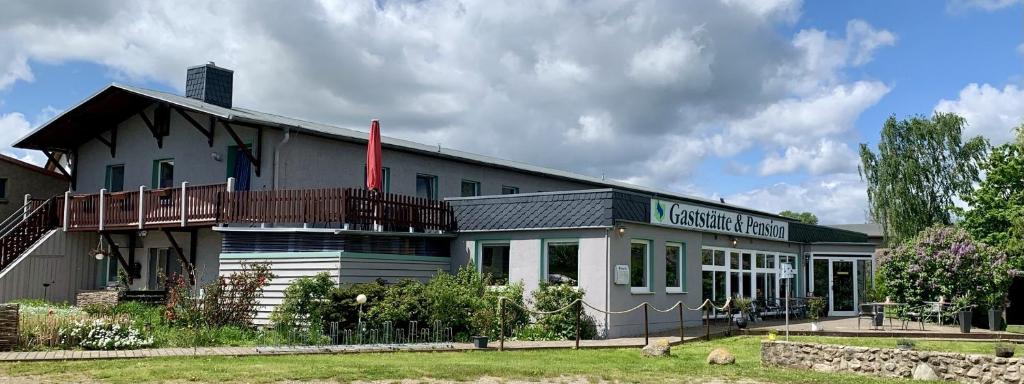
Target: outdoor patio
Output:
{"points": [[847, 327]]}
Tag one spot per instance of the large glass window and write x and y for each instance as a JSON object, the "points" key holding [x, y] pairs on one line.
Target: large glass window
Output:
{"points": [[494, 261], [115, 178], [426, 186], [820, 287], [639, 265], [385, 178], [562, 262], [470, 188], [674, 270]]}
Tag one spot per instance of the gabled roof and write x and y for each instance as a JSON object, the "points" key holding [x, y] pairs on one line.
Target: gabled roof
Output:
{"points": [[117, 102], [31, 167]]}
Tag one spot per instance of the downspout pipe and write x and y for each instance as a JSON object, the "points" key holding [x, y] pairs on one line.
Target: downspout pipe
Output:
{"points": [[277, 157]]}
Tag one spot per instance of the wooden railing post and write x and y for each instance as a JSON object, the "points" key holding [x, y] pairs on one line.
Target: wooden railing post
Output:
{"points": [[103, 207], [231, 184], [26, 209], [682, 325], [184, 203], [646, 334], [579, 314], [67, 209], [501, 324], [142, 206]]}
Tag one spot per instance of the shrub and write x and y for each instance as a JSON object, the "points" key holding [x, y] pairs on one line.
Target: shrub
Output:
{"points": [[452, 300], [398, 304], [39, 323], [341, 305], [486, 320], [303, 303], [946, 262], [103, 334], [815, 307], [230, 300], [561, 325]]}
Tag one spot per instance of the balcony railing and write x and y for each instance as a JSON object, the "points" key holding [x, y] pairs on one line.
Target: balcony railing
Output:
{"points": [[206, 205]]}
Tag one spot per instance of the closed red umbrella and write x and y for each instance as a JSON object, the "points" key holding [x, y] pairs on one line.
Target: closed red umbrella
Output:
{"points": [[374, 169]]}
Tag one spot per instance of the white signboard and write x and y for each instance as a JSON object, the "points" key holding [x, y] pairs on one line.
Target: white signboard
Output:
{"points": [[621, 274], [676, 214]]}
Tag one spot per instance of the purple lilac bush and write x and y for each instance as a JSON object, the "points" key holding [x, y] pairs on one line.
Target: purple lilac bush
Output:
{"points": [[945, 262]]}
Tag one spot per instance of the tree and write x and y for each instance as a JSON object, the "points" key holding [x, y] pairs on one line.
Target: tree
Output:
{"points": [[996, 207], [803, 217], [922, 164]]}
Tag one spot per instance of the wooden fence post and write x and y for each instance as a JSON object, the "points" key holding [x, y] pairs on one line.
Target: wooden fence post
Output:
{"points": [[579, 314], [682, 325], [501, 324], [646, 334], [103, 207], [707, 324]]}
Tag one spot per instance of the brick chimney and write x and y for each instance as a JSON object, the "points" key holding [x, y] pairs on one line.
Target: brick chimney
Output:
{"points": [[209, 83]]}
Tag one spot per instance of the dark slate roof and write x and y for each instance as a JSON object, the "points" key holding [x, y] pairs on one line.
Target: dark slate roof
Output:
{"points": [[591, 208], [572, 209], [871, 229]]}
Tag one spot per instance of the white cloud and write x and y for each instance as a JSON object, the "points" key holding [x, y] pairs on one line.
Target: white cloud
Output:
{"points": [[675, 59], [824, 157], [835, 199], [593, 127], [788, 10], [821, 59], [985, 5], [989, 111], [12, 127], [865, 39]]}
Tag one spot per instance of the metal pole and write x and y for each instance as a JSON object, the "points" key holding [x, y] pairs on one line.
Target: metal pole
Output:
{"points": [[682, 326], [501, 324], [646, 335], [787, 308], [579, 313]]}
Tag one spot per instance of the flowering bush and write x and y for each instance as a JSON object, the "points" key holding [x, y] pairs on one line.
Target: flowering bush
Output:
{"points": [[40, 323], [945, 262], [103, 334]]}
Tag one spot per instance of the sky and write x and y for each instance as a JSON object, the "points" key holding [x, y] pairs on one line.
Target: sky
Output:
{"points": [[761, 103]]}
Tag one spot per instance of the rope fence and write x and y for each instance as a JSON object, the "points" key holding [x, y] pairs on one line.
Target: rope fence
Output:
{"points": [[707, 307]]}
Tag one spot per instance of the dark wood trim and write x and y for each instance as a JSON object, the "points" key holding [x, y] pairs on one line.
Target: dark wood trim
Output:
{"points": [[254, 159], [110, 143], [73, 160], [50, 158], [120, 258], [181, 255], [152, 129], [206, 132]]}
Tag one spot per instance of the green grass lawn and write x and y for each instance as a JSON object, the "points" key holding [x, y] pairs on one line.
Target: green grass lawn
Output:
{"points": [[624, 365]]}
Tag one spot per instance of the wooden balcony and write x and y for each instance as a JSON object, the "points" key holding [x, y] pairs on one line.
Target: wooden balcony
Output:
{"points": [[208, 205]]}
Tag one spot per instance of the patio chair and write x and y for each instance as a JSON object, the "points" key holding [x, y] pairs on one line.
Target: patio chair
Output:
{"points": [[772, 307], [913, 313], [867, 311], [931, 310]]}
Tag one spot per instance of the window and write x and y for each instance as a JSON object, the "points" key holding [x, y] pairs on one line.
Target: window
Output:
{"points": [[674, 270], [470, 188], [163, 173], [115, 178], [426, 186], [239, 166], [3, 189], [562, 262], [639, 266], [494, 261], [110, 270], [385, 177], [507, 190]]}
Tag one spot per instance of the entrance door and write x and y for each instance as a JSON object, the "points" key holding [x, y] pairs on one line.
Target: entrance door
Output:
{"points": [[842, 301]]}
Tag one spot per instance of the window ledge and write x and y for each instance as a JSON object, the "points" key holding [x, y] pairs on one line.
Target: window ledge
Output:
{"points": [[675, 291], [640, 291]]}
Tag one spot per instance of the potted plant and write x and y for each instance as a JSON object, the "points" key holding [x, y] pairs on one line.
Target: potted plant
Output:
{"points": [[963, 305], [905, 344], [480, 341], [995, 302], [815, 306], [1005, 349], [742, 305]]}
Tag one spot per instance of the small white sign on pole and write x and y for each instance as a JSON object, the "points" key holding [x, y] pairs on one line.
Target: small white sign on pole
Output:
{"points": [[787, 272]]}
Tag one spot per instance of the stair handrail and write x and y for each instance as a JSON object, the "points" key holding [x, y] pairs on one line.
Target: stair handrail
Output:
{"points": [[5, 231], [19, 214]]}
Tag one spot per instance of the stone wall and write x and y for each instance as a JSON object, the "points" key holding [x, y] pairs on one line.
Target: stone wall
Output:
{"points": [[106, 297], [8, 327], [892, 362]]}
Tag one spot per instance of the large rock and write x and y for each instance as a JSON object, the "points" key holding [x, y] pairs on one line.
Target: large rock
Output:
{"points": [[721, 356], [659, 348], [924, 372]]}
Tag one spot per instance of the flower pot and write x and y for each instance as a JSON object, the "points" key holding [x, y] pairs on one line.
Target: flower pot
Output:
{"points": [[879, 319], [995, 319], [741, 322], [480, 341], [1004, 351], [815, 327], [965, 321]]}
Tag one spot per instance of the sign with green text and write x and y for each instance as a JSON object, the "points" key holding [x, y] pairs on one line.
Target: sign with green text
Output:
{"points": [[708, 219]]}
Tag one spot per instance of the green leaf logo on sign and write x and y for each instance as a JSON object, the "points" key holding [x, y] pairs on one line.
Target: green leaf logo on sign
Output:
{"points": [[659, 211]]}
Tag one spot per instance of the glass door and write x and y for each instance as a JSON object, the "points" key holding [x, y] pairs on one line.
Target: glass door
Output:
{"points": [[842, 300]]}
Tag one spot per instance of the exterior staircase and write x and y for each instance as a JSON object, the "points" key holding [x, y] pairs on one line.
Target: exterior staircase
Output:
{"points": [[22, 229]]}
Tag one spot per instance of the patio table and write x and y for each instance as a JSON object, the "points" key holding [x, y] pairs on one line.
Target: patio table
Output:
{"points": [[880, 308]]}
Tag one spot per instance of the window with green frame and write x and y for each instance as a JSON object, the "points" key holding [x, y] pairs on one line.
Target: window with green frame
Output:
{"points": [[163, 173], [114, 178], [470, 188], [426, 186]]}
